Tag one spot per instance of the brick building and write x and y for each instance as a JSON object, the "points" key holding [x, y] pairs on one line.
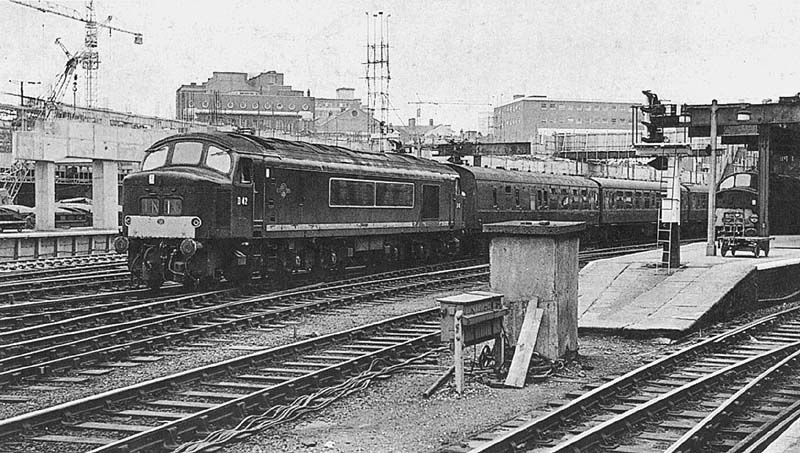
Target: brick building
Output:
{"points": [[534, 118], [262, 102]]}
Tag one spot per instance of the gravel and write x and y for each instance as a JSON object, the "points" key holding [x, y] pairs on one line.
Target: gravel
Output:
{"points": [[391, 415]]}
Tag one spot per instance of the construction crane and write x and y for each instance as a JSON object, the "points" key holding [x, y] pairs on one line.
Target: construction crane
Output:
{"points": [[89, 58], [59, 88]]}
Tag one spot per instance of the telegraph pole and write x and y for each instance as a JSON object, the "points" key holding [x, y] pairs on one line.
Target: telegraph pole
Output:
{"points": [[711, 246], [22, 84]]}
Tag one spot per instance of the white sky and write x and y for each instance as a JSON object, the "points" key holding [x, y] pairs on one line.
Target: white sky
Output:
{"points": [[446, 50]]}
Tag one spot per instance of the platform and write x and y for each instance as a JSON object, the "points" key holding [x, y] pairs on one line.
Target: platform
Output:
{"points": [[32, 245], [631, 296]]}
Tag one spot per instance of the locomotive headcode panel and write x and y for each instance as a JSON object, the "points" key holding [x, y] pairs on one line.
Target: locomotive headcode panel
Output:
{"points": [[207, 206]]}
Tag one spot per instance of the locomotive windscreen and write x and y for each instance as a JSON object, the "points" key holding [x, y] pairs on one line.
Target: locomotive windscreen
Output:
{"points": [[736, 199]]}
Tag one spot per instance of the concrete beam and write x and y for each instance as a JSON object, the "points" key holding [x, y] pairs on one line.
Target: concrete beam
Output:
{"points": [[61, 139]]}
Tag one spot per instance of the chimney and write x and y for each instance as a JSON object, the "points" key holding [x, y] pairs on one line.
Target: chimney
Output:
{"points": [[430, 122], [412, 122]]}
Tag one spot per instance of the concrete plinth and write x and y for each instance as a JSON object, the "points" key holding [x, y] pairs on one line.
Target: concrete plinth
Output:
{"points": [[104, 194], [45, 183], [538, 261]]}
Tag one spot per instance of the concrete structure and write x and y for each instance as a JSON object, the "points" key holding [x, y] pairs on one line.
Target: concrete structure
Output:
{"points": [[53, 244], [262, 102], [630, 295], [61, 139], [538, 260], [534, 118]]}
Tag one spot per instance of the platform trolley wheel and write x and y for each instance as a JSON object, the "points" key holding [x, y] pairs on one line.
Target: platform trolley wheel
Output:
{"points": [[756, 249], [733, 251], [724, 248], [766, 249]]}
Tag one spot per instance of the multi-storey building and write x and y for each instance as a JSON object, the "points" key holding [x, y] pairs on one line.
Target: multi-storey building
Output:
{"points": [[262, 102], [327, 108], [534, 118]]}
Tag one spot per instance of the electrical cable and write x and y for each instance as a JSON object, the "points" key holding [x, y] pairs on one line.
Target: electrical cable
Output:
{"points": [[302, 405]]}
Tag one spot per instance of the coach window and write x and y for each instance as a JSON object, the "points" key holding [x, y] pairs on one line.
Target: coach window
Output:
{"points": [[647, 200], [564, 199], [155, 159], [516, 196], [585, 199], [218, 160], [637, 200], [554, 200], [576, 204], [494, 196], [187, 153], [245, 171], [628, 200]]}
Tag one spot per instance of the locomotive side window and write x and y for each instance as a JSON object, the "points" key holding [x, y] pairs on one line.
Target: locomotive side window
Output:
{"points": [[351, 193], [187, 153], [155, 159], [148, 206], [218, 160], [173, 206], [394, 194], [245, 171]]}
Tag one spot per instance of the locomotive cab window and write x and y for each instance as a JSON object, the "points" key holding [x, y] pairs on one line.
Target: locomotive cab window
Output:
{"points": [[245, 171], [218, 160], [155, 159], [187, 153]]}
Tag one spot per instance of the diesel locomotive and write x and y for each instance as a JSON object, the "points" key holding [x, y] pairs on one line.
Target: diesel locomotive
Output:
{"points": [[211, 205]]}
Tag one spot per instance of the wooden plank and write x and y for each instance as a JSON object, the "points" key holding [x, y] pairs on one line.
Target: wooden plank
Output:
{"points": [[114, 427], [220, 395], [527, 340], [155, 414], [75, 439]]}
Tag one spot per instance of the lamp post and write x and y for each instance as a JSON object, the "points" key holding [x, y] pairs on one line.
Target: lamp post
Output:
{"points": [[711, 247]]}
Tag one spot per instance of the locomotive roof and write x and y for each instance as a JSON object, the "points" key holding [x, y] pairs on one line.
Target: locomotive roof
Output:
{"points": [[317, 157], [523, 177]]}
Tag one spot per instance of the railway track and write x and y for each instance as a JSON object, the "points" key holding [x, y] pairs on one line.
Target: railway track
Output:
{"points": [[61, 263], [727, 393], [162, 413], [41, 350]]}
